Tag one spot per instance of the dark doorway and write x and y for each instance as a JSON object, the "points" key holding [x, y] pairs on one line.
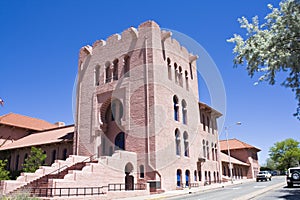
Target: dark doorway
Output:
{"points": [[120, 141]]}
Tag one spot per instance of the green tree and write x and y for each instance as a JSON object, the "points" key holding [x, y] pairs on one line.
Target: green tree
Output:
{"points": [[272, 47], [4, 174], [34, 160], [285, 154]]}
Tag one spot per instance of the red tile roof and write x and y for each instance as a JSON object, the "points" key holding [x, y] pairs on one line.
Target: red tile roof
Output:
{"points": [[236, 144], [16, 120], [40, 138]]}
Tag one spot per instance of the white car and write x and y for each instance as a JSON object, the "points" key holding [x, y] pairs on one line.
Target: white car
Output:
{"points": [[263, 176]]}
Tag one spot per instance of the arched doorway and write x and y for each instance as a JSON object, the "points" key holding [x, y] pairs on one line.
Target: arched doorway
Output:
{"points": [[129, 179], [178, 177], [120, 141], [187, 178]]}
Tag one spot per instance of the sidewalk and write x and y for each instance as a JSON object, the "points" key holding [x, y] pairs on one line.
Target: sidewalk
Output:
{"points": [[175, 193]]}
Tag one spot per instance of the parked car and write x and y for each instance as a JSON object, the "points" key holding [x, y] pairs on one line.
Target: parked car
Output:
{"points": [[263, 176], [274, 173], [293, 176]]}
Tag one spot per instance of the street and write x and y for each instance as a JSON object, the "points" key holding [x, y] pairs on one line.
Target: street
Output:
{"points": [[250, 190]]}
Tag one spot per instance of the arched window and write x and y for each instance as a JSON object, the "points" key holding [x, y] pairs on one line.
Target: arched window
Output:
{"points": [[107, 72], [180, 76], [184, 112], [212, 151], [96, 75], [169, 69], [216, 152], [215, 178], [204, 149], [120, 141], [115, 69], [207, 150], [186, 80], [199, 175], [177, 142], [142, 171], [191, 71], [186, 144], [178, 177], [176, 72], [126, 66], [176, 108], [209, 177], [187, 178]]}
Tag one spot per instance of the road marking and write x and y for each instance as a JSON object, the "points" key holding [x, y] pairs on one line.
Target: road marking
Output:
{"points": [[260, 186], [236, 188]]}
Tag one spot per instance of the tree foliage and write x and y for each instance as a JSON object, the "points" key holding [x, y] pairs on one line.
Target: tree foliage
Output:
{"points": [[4, 174], [273, 46], [285, 154], [34, 160]]}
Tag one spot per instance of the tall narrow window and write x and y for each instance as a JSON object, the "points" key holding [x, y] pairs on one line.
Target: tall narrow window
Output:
{"points": [[169, 69], [96, 75], [115, 69], [195, 175], [207, 150], [180, 76], [126, 66], [142, 173], [204, 149], [203, 122], [107, 72], [208, 124], [191, 71], [184, 112], [177, 142], [216, 152], [176, 108], [176, 72], [186, 144], [186, 75]]}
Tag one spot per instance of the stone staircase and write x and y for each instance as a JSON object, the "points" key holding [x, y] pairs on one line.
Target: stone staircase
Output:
{"points": [[40, 178]]}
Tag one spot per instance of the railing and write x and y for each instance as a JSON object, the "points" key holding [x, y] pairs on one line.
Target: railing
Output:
{"points": [[60, 192], [123, 186]]}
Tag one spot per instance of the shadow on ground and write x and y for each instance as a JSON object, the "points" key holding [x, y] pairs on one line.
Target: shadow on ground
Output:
{"points": [[291, 193]]}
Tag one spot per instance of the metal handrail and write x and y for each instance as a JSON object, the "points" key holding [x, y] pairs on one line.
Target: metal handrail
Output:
{"points": [[59, 170], [75, 191]]}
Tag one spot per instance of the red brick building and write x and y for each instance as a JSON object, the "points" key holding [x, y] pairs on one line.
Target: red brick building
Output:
{"points": [[244, 159]]}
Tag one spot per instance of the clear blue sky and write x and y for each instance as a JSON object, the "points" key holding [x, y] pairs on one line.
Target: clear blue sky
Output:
{"points": [[40, 41]]}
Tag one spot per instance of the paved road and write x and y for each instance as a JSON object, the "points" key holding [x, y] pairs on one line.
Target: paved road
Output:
{"points": [[281, 193], [238, 192]]}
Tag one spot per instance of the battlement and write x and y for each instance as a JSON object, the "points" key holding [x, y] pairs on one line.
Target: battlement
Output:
{"points": [[133, 38]]}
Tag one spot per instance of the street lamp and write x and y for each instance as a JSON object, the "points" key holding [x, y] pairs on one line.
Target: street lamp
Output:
{"points": [[228, 150]]}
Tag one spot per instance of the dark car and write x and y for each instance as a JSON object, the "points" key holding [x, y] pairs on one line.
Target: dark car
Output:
{"points": [[293, 176]]}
